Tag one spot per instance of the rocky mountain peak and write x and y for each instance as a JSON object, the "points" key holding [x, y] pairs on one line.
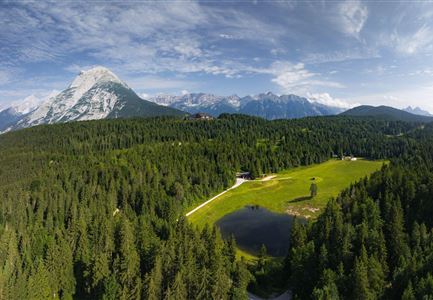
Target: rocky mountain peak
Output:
{"points": [[87, 79]]}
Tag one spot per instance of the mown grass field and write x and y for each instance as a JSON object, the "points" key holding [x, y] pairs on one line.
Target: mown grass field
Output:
{"points": [[289, 190]]}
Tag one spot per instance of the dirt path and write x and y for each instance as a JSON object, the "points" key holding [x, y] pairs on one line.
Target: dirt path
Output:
{"points": [[269, 177], [239, 181]]}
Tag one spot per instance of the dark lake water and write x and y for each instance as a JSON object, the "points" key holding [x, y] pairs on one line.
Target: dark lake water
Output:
{"points": [[253, 226]]}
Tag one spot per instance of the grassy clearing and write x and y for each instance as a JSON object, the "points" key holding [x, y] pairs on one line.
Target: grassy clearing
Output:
{"points": [[289, 190]]}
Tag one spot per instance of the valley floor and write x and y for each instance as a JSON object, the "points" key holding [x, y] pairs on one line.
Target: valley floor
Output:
{"points": [[288, 191]]}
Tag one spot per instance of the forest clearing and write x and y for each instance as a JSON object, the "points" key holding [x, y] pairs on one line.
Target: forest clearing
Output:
{"points": [[288, 191]]}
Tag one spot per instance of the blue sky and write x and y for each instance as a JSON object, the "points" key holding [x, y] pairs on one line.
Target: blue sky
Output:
{"points": [[338, 52]]}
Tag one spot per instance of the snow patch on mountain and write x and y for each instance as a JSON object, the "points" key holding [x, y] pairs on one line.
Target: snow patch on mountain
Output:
{"points": [[267, 105], [82, 100], [195, 100], [97, 104], [25, 105], [87, 79], [94, 94], [165, 100]]}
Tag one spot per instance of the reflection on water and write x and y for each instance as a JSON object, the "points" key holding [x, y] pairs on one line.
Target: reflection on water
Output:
{"points": [[253, 226]]}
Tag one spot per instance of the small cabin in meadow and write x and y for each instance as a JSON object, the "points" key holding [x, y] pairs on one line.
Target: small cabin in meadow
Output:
{"points": [[244, 175]]}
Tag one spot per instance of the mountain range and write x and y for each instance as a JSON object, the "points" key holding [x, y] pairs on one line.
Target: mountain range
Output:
{"points": [[93, 94], [417, 111], [99, 94], [266, 105]]}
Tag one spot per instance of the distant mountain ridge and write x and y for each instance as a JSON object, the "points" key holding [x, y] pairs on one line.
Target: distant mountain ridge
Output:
{"points": [[266, 105], [386, 112], [94, 94], [16, 111], [99, 94], [417, 111]]}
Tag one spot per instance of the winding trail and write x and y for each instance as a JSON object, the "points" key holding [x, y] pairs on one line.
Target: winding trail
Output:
{"points": [[267, 178], [239, 181]]}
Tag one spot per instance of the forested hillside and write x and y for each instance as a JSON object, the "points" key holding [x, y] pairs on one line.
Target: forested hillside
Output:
{"points": [[375, 240], [386, 113], [93, 210]]}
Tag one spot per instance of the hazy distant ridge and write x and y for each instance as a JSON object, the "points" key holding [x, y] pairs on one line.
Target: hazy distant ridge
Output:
{"points": [[266, 105], [386, 112]]}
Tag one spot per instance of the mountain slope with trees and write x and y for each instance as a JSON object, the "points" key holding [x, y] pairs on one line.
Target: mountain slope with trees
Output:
{"points": [[93, 210], [375, 240], [386, 113]]}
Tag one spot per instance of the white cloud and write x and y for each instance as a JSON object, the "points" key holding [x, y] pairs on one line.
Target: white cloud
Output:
{"points": [[341, 55], [184, 92], [240, 25], [295, 78], [152, 37], [287, 4], [379, 70], [289, 76], [412, 43], [158, 83], [352, 17], [74, 68], [226, 36], [426, 72], [326, 99], [8, 72], [5, 77], [188, 50], [278, 51], [145, 95]]}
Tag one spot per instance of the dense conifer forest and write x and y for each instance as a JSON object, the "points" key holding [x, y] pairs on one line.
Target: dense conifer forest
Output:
{"points": [[375, 240], [93, 210]]}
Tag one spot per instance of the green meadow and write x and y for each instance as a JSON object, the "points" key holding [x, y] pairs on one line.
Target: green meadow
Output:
{"points": [[289, 191]]}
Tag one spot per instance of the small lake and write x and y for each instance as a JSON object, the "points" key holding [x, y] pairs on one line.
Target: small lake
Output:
{"points": [[254, 226]]}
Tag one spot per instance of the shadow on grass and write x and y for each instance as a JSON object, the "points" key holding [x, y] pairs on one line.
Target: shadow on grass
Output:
{"points": [[299, 199]]}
